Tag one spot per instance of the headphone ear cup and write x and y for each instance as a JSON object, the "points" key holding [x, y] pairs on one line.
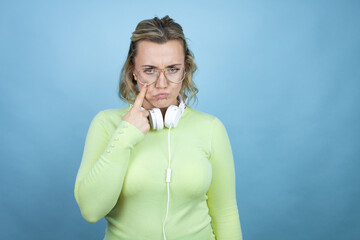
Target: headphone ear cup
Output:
{"points": [[156, 119], [172, 116]]}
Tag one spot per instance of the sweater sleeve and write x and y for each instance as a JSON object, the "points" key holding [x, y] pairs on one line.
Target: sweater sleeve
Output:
{"points": [[222, 192], [103, 167]]}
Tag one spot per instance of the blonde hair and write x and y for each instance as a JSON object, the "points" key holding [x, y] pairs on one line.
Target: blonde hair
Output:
{"points": [[158, 31]]}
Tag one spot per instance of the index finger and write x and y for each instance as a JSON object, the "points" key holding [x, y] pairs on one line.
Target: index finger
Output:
{"points": [[140, 98]]}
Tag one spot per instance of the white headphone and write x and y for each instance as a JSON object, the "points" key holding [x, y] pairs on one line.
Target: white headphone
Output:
{"points": [[172, 116]]}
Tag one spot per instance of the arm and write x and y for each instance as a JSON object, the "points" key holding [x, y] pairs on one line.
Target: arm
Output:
{"points": [[101, 174], [222, 192]]}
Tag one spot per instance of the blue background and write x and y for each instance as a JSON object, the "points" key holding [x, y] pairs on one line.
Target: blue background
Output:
{"points": [[283, 76]]}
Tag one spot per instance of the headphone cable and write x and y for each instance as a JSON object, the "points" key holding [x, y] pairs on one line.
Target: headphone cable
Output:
{"points": [[168, 177]]}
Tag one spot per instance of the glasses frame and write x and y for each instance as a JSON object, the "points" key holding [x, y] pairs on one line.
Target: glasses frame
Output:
{"points": [[162, 70]]}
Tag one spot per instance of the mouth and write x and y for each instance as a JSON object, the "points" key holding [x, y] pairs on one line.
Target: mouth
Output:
{"points": [[161, 95]]}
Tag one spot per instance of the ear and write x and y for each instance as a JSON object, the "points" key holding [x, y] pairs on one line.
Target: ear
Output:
{"points": [[134, 76]]}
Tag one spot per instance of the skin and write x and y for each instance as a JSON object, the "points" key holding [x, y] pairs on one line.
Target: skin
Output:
{"points": [[160, 56]]}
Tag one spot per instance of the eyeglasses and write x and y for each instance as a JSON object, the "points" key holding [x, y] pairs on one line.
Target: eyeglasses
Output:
{"points": [[151, 75]]}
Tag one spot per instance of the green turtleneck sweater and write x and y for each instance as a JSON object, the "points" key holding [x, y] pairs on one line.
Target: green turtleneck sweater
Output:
{"points": [[122, 178]]}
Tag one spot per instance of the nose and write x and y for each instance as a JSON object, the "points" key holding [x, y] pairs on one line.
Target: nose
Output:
{"points": [[162, 81]]}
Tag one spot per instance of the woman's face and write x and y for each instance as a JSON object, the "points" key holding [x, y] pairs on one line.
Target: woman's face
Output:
{"points": [[160, 56]]}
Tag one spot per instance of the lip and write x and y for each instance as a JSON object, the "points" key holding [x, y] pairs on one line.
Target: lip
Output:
{"points": [[161, 95]]}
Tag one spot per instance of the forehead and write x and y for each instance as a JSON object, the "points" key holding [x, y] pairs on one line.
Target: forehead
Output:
{"points": [[159, 54]]}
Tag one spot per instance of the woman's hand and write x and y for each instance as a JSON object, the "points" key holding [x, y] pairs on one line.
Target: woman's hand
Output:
{"points": [[136, 116]]}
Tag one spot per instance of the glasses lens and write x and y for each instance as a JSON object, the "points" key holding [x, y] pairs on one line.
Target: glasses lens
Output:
{"points": [[149, 76], [174, 74]]}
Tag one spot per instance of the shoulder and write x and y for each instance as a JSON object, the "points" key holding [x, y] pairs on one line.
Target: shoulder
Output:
{"points": [[203, 119], [209, 123], [111, 116], [209, 127], [115, 112]]}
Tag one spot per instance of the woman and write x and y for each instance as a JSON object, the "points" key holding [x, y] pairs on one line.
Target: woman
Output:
{"points": [[152, 181]]}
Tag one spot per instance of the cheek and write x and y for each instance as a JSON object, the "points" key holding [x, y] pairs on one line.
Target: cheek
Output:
{"points": [[149, 92], [178, 87]]}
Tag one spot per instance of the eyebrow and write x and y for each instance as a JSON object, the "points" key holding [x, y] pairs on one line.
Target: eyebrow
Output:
{"points": [[151, 66]]}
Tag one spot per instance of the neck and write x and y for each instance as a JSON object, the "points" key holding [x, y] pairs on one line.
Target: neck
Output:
{"points": [[163, 110]]}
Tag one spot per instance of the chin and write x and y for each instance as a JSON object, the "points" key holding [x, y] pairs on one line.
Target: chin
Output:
{"points": [[161, 103]]}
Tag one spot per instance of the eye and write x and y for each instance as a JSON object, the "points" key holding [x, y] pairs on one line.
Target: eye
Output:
{"points": [[173, 70], [149, 71]]}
